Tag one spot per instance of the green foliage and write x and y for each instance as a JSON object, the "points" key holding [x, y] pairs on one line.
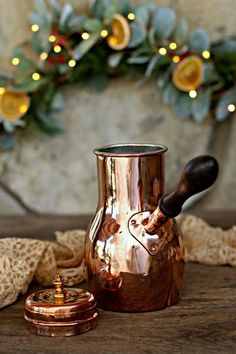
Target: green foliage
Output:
{"points": [[181, 33], [93, 62], [164, 22], [138, 35], [182, 106], [229, 97], [84, 46], [199, 41], [201, 105]]}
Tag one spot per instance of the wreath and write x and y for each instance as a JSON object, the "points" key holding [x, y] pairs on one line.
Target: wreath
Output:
{"points": [[115, 39]]}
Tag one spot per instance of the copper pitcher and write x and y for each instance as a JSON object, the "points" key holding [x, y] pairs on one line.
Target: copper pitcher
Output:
{"points": [[134, 248]]}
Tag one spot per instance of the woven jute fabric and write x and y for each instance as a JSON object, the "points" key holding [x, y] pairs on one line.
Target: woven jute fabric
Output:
{"points": [[22, 260]]}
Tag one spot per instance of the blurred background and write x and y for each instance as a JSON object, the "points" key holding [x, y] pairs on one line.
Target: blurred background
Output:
{"points": [[58, 175]]}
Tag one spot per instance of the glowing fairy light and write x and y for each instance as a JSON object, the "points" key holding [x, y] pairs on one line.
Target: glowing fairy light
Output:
{"points": [[35, 76], [52, 38], [104, 33], [192, 93], [34, 27], [131, 16], [231, 108], [206, 54], [15, 61], [57, 49], [176, 59], [162, 51], [172, 45], [43, 56], [71, 63], [85, 36]]}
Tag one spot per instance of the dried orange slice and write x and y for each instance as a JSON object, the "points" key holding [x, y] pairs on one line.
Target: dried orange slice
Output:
{"points": [[13, 105], [188, 73], [120, 37]]}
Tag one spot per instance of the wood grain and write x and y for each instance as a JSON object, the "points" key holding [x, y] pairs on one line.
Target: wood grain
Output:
{"points": [[204, 321]]}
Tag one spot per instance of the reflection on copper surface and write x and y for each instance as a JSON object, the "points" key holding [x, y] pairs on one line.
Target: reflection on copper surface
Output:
{"points": [[130, 269]]}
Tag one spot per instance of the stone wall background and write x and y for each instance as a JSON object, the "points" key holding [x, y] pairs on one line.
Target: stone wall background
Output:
{"points": [[58, 175]]}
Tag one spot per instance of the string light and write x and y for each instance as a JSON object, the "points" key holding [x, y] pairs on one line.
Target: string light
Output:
{"points": [[172, 45], [131, 16], [35, 76], [43, 56], [231, 108], [104, 33], [85, 35], [52, 38], [206, 54], [23, 108], [2, 90], [35, 28], [57, 49], [193, 93], [15, 61], [176, 59], [71, 63], [162, 51]]}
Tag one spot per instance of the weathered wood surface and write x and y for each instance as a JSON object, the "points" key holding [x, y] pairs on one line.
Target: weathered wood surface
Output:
{"points": [[204, 321]]}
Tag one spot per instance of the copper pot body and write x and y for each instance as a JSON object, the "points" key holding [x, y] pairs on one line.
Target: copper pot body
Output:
{"points": [[129, 270]]}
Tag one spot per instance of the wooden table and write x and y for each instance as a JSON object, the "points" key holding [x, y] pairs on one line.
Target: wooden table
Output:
{"points": [[204, 321]]}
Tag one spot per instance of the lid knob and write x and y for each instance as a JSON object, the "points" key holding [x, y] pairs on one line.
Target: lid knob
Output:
{"points": [[58, 283]]}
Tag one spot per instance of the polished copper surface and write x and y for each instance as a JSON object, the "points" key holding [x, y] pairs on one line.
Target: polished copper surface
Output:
{"points": [[130, 269], [60, 311]]}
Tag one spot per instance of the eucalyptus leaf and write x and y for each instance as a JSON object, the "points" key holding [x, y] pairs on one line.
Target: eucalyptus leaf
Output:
{"points": [[151, 65], [93, 25], [123, 6], [66, 13], [156, 62], [40, 6], [138, 35], [29, 86], [58, 102], [182, 106], [226, 51], [229, 97], [164, 22], [199, 41], [114, 59], [99, 7], [170, 94], [84, 46], [76, 23], [47, 122], [201, 105], [37, 18], [37, 44], [162, 79], [181, 32], [56, 7], [143, 14], [63, 68], [210, 74], [110, 11], [7, 141], [139, 59]]}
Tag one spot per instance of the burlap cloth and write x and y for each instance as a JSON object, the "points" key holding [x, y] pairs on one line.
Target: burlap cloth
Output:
{"points": [[22, 260]]}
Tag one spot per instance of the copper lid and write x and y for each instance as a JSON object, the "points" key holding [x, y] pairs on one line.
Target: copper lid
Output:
{"points": [[59, 311]]}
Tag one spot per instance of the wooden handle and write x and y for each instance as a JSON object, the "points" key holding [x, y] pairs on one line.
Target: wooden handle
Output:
{"points": [[199, 174]]}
